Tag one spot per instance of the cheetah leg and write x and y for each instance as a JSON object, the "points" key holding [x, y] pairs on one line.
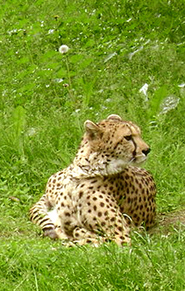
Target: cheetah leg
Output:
{"points": [[102, 216], [45, 215], [83, 236]]}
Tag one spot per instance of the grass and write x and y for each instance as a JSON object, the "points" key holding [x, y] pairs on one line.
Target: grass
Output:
{"points": [[30, 264], [115, 48]]}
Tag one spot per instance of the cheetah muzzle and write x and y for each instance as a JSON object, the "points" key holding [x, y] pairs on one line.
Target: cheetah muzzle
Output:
{"points": [[103, 192]]}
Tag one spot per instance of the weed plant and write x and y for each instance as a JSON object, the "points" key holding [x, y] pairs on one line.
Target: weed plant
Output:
{"points": [[126, 57]]}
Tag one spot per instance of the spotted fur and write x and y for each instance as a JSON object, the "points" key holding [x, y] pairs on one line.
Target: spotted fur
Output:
{"points": [[103, 192]]}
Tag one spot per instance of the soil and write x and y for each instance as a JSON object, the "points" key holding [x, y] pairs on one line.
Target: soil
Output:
{"points": [[167, 222]]}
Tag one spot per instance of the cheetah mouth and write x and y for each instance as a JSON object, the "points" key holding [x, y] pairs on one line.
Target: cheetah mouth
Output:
{"points": [[138, 160]]}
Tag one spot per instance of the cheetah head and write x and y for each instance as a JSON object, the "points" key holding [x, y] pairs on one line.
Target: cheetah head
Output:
{"points": [[114, 144]]}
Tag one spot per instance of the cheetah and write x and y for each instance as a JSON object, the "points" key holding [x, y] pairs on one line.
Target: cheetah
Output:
{"points": [[104, 192]]}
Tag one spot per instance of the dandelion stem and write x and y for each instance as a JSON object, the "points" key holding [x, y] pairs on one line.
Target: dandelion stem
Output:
{"points": [[69, 79]]}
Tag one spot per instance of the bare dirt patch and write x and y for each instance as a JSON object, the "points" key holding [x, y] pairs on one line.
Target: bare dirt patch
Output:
{"points": [[166, 222]]}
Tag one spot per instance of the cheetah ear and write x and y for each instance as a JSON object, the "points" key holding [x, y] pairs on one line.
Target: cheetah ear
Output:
{"points": [[114, 117], [92, 129]]}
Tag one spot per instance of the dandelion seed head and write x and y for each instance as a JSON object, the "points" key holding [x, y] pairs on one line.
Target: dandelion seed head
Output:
{"points": [[63, 49]]}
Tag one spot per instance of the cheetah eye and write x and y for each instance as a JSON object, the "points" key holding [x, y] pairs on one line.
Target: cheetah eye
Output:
{"points": [[128, 137]]}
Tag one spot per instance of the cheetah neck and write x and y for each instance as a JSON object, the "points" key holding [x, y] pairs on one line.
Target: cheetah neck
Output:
{"points": [[91, 164]]}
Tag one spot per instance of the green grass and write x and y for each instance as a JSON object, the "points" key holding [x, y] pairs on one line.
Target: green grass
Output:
{"points": [[115, 48]]}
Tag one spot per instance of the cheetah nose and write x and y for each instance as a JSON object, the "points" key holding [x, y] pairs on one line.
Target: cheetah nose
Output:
{"points": [[146, 152]]}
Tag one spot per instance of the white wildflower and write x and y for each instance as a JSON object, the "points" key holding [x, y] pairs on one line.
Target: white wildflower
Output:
{"points": [[63, 49]]}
